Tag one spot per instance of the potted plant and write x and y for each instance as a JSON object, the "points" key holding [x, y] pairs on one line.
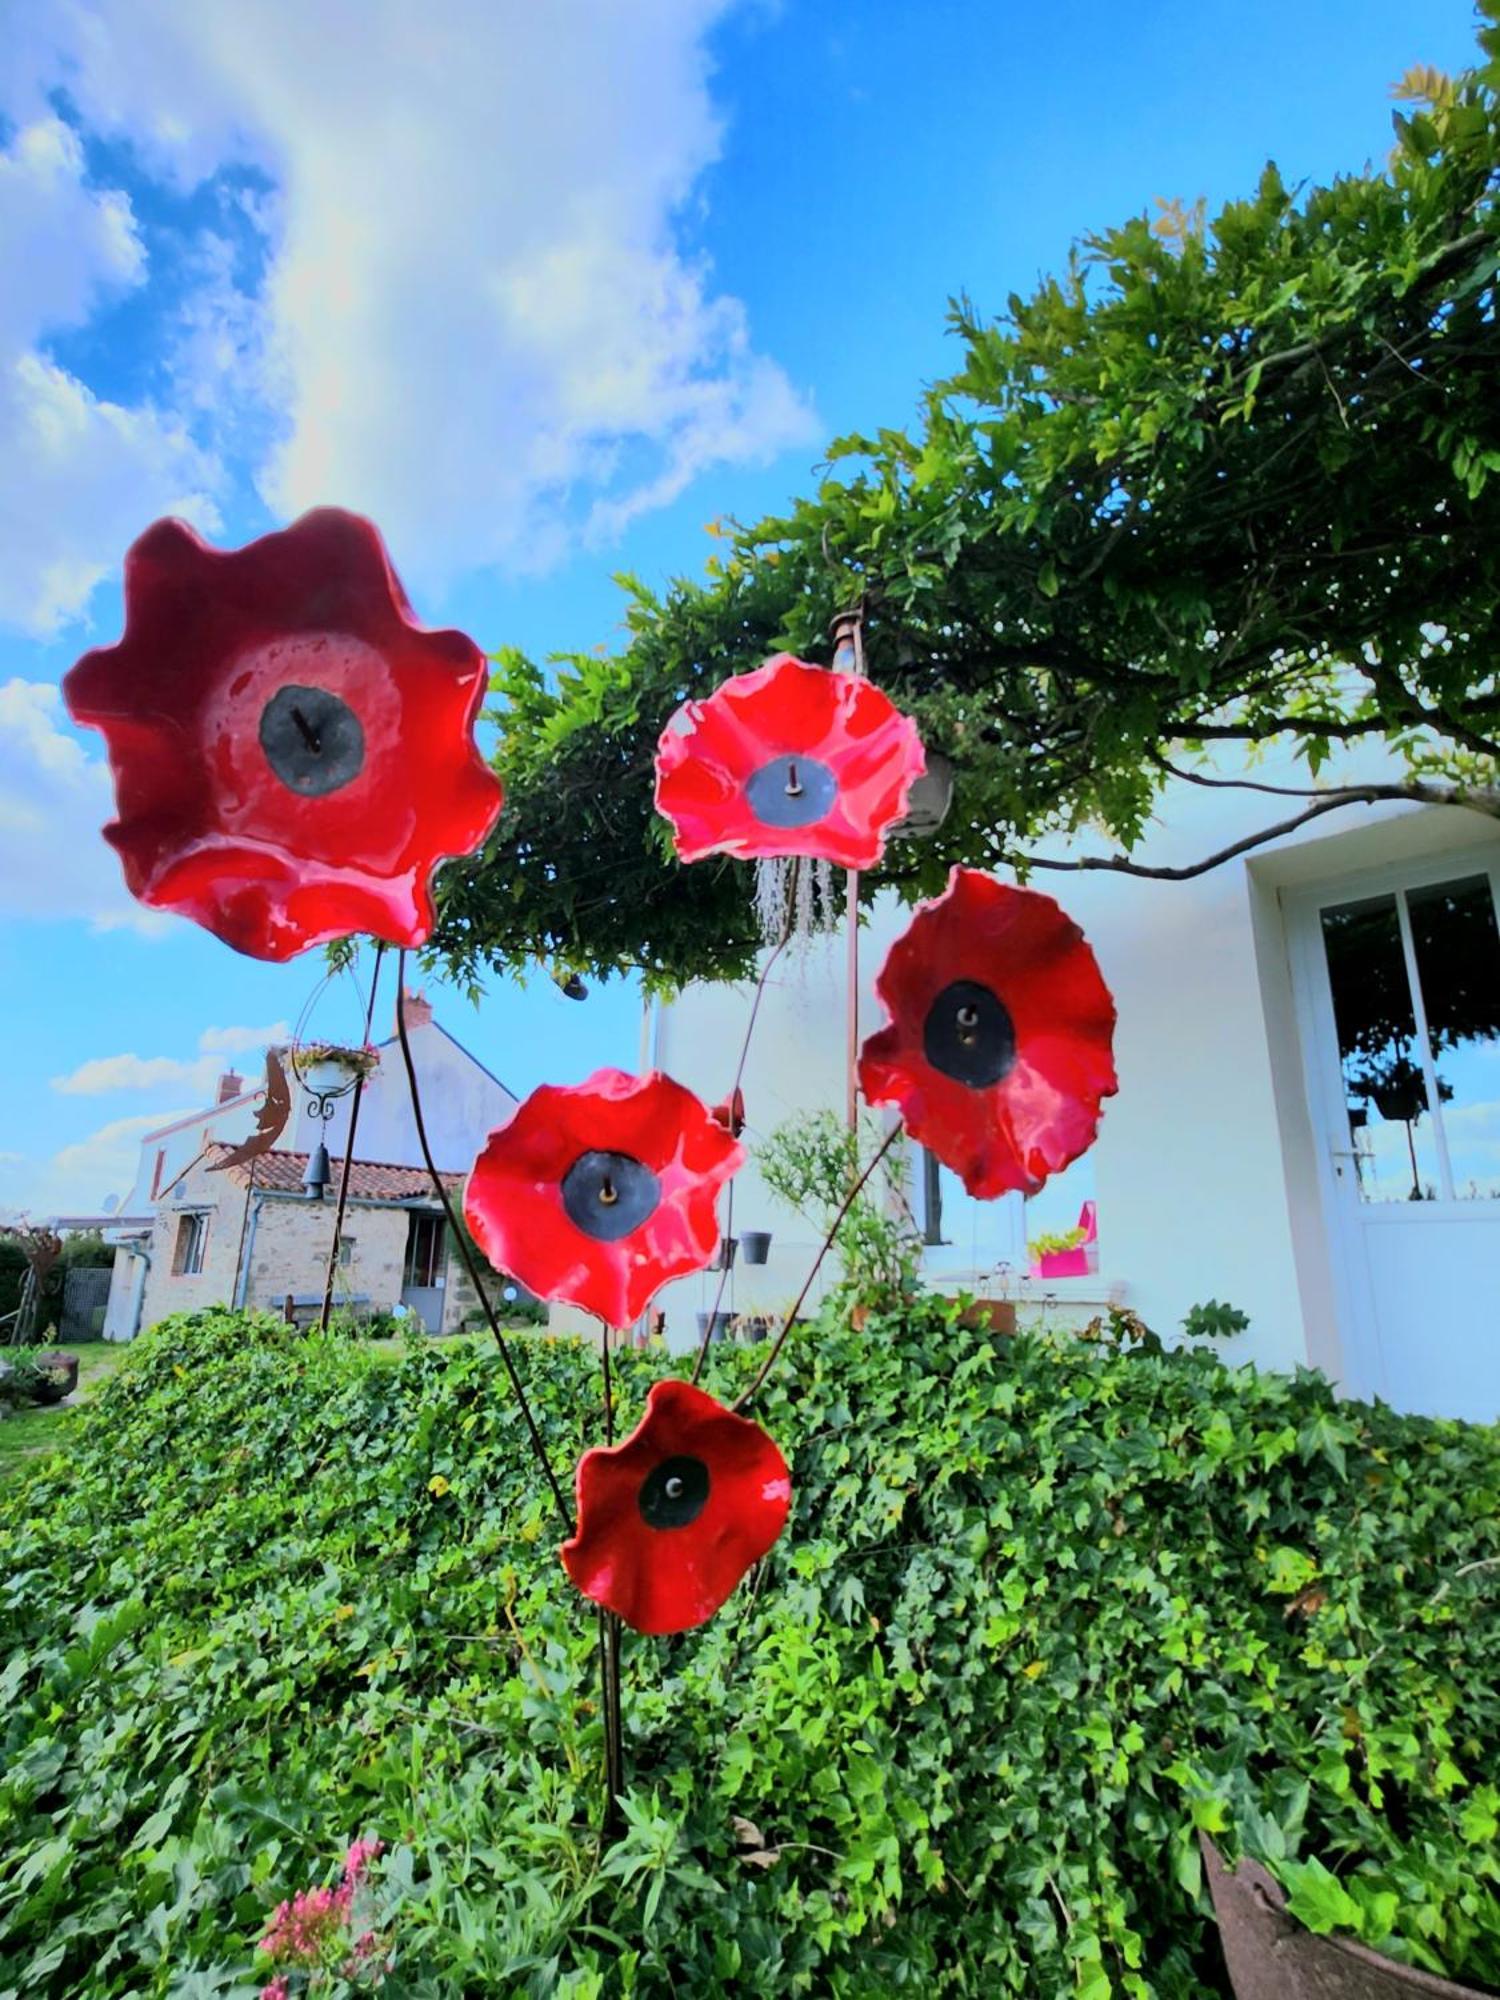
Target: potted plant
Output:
{"points": [[756, 1244], [1057, 1254], [328, 1069]]}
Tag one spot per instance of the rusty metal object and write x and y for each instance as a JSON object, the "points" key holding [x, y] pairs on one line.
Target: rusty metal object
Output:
{"points": [[270, 1121], [1273, 1957]]}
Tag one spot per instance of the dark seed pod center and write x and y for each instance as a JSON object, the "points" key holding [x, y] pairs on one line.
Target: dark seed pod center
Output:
{"points": [[791, 791], [314, 742], [606, 1195], [674, 1493], [969, 1035]]}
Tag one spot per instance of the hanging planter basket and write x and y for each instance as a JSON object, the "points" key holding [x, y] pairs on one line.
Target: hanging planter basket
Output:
{"points": [[327, 1069], [1271, 1956], [756, 1244], [727, 1247]]}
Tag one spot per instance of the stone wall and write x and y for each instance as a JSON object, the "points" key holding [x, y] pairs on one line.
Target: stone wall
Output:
{"points": [[289, 1253], [221, 1201]]}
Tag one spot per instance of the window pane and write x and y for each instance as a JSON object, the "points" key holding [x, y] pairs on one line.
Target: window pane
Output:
{"points": [[1458, 961], [1385, 1097]]}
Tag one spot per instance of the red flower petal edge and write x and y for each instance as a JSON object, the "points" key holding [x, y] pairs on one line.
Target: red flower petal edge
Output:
{"points": [[789, 759], [670, 1520], [293, 754], [1000, 1043], [597, 1194]]}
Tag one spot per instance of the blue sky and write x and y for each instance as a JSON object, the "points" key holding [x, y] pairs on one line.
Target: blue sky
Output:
{"points": [[545, 290]]}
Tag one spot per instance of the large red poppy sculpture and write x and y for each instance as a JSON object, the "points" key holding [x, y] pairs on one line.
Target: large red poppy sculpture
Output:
{"points": [[999, 1048], [670, 1520], [293, 754], [596, 1195], [790, 759]]}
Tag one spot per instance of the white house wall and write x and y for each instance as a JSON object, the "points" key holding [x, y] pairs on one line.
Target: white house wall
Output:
{"points": [[1204, 1171], [461, 1103]]}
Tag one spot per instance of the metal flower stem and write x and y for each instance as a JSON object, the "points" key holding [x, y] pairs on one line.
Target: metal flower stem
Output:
{"points": [[359, 1091], [849, 657], [609, 1642], [470, 1262], [834, 1227], [739, 1076]]}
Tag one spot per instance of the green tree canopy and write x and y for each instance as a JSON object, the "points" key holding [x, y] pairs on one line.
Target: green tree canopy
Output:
{"points": [[1222, 481]]}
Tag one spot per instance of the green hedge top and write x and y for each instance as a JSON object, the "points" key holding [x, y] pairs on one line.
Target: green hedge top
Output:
{"points": [[1039, 1613]]}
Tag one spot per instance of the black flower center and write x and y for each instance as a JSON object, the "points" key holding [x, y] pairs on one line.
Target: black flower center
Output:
{"points": [[606, 1195], [314, 742], [674, 1493], [791, 791], [969, 1035]]}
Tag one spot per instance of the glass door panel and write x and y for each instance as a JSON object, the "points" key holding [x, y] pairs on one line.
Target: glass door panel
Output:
{"points": [[1457, 948], [1391, 1134]]}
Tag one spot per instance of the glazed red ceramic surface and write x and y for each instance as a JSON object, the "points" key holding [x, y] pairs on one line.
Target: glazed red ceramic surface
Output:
{"points": [[670, 1520], [595, 1195], [999, 1047], [292, 753], [790, 759]]}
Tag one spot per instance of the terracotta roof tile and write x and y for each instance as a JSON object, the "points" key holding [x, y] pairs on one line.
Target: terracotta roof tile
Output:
{"points": [[369, 1180]]}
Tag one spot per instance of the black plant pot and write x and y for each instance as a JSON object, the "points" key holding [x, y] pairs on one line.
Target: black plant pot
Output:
{"points": [[756, 1244], [727, 1249], [721, 1324], [60, 1376]]}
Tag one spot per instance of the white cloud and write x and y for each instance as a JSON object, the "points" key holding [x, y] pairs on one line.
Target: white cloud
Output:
{"points": [[479, 322], [240, 1041], [79, 1178], [54, 797], [101, 1074], [79, 475]]}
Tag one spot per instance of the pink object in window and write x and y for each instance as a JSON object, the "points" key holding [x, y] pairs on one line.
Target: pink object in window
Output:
{"points": [[1081, 1262]]}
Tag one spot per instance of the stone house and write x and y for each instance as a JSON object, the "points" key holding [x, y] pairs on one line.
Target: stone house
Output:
{"points": [[249, 1235], [197, 1236]]}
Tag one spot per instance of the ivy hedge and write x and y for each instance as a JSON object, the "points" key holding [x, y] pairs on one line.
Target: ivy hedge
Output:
{"points": [[1043, 1609]]}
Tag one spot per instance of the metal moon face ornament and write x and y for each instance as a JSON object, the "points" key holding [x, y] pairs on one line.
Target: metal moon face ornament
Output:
{"points": [[293, 754], [597, 1194], [789, 759], [670, 1520], [1000, 1044]]}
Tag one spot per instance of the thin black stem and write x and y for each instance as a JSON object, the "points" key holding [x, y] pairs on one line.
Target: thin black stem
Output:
{"points": [[834, 1227], [760, 994], [609, 1639], [359, 1091], [470, 1262]]}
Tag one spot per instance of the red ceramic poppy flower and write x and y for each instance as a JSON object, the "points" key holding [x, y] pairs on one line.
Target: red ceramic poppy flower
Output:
{"points": [[293, 754], [790, 759], [670, 1520], [999, 1048], [596, 1195]]}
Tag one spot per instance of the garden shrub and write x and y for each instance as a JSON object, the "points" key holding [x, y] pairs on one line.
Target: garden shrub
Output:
{"points": [[1041, 1611]]}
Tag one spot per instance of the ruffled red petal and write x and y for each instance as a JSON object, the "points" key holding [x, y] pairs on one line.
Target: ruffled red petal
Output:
{"points": [[205, 827], [671, 1579], [711, 749], [1014, 1133], [514, 1199]]}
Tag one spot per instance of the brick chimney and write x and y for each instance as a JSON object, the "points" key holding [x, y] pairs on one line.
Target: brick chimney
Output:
{"points": [[231, 1084], [418, 1010]]}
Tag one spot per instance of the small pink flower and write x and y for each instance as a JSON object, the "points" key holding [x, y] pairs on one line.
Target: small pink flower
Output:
{"points": [[276, 1990], [359, 1857]]}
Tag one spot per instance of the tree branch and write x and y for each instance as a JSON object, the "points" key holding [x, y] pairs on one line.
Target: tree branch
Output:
{"points": [[1487, 803]]}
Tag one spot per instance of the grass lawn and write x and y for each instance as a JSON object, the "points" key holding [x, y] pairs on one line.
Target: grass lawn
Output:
{"points": [[25, 1433]]}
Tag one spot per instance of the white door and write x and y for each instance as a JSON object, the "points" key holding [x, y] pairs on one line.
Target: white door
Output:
{"points": [[1398, 978]]}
